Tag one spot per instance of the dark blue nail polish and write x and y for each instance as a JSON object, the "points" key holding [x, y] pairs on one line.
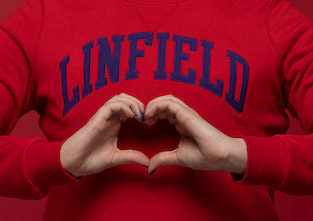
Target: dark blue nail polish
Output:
{"points": [[142, 116], [145, 166], [152, 172], [134, 113]]}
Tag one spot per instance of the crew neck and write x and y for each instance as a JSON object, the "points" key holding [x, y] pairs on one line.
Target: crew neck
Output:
{"points": [[154, 13], [155, 2]]}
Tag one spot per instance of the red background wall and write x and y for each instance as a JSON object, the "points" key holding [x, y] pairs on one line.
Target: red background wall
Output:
{"points": [[289, 207]]}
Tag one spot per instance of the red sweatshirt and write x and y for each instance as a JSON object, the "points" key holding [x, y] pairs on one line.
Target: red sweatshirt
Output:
{"points": [[239, 64]]}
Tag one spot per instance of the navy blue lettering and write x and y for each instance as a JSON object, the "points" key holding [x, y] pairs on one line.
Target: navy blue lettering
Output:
{"points": [[160, 73], [205, 81], [134, 53], [179, 56], [68, 105], [87, 86], [230, 96], [106, 58]]}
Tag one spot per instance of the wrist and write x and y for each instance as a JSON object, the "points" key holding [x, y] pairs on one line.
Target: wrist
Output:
{"points": [[236, 161], [68, 162]]}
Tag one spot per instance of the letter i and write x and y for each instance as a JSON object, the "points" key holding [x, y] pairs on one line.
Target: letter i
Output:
{"points": [[160, 73], [87, 86]]}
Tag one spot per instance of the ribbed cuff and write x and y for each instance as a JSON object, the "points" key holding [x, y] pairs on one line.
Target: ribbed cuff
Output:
{"points": [[266, 162], [44, 167]]}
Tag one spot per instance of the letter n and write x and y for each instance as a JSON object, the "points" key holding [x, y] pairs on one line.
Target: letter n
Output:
{"points": [[106, 58]]}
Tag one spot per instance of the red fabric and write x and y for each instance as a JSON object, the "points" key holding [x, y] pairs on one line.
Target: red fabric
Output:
{"points": [[23, 99]]}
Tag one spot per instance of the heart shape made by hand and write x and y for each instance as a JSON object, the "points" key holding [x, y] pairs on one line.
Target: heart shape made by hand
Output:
{"points": [[197, 144]]}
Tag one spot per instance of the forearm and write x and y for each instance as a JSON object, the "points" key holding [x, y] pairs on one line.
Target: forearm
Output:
{"points": [[29, 167]]}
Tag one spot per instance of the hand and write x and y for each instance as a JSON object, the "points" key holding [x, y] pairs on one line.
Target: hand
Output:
{"points": [[93, 148], [202, 146]]}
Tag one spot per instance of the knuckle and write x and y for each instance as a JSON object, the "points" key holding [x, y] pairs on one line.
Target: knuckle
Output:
{"points": [[108, 103], [162, 159], [114, 159], [188, 121], [172, 97], [114, 97], [132, 156]]}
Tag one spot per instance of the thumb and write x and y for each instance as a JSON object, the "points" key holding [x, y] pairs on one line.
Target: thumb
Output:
{"points": [[164, 158], [130, 157]]}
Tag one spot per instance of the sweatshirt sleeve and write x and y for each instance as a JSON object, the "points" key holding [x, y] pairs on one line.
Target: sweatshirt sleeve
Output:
{"points": [[28, 166], [285, 162]]}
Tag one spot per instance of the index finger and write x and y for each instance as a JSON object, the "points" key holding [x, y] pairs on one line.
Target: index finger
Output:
{"points": [[174, 111], [171, 97]]}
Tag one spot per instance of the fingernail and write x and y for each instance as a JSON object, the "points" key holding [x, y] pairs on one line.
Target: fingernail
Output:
{"points": [[134, 113], [145, 166], [142, 116], [152, 172]]}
